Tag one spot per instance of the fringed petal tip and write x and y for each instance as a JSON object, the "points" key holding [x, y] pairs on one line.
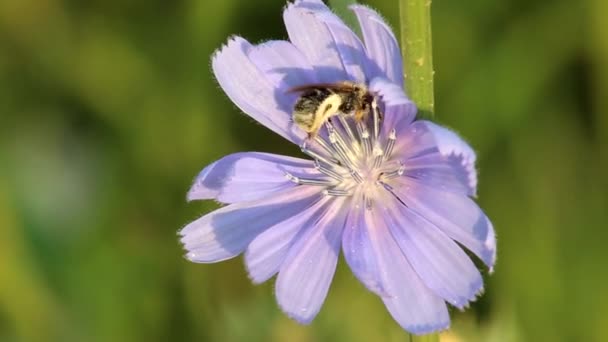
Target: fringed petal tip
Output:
{"points": [[230, 42], [463, 303], [455, 153], [452, 146]]}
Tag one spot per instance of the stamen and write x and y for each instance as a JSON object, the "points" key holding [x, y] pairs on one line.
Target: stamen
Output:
{"points": [[308, 181], [331, 129], [364, 134], [340, 150], [350, 154], [336, 192], [392, 138], [348, 130], [328, 171], [291, 177], [384, 185], [323, 144], [395, 173], [356, 176], [376, 118], [378, 156], [318, 182], [317, 156]]}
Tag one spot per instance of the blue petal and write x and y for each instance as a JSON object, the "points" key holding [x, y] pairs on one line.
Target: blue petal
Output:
{"points": [[436, 157], [451, 146], [248, 88], [359, 251], [441, 264], [399, 110], [312, 37], [413, 305], [455, 214], [266, 253], [284, 65], [305, 276], [247, 176], [226, 232], [445, 173], [381, 45], [349, 46]]}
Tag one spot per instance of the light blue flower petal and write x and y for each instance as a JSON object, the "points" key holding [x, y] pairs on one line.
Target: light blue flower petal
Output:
{"points": [[349, 46], [445, 173], [266, 253], [312, 37], [359, 251], [441, 264], [451, 146], [226, 232], [436, 156], [284, 66], [399, 110], [247, 176], [309, 267], [381, 45], [455, 214], [414, 306], [248, 88]]}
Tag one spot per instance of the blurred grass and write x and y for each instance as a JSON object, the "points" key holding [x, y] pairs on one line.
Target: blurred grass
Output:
{"points": [[108, 110]]}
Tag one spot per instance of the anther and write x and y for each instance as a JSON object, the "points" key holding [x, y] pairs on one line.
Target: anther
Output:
{"points": [[376, 117], [307, 181], [336, 192], [378, 156], [392, 138], [364, 133], [337, 136], [291, 177], [395, 173]]}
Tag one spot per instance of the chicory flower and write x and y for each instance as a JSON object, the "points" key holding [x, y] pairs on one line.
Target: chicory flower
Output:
{"points": [[392, 193]]}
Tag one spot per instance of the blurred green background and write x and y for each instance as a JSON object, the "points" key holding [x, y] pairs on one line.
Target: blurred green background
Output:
{"points": [[108, 110]]}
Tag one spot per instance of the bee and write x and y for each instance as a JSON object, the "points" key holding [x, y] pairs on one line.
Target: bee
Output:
{"points": [[319, 102]]}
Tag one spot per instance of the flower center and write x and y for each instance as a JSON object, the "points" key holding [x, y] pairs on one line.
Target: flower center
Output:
{"points": [[351, 160]]}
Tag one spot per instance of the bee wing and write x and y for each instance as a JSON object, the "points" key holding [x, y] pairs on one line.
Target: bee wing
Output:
{"points": [[339, 86]]}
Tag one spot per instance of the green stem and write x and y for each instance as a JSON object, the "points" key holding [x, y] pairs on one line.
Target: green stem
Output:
{"points": [[415, 18], [416, 44]]}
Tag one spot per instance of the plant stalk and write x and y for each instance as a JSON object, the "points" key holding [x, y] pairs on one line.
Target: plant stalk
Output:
{"points": [[416, 45]]}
